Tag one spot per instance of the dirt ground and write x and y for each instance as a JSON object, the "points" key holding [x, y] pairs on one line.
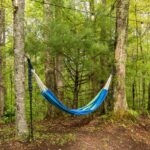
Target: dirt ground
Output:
{"points": [[81, 134]]}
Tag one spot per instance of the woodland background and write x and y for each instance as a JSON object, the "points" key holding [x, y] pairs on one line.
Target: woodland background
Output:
{"points": [[71, 44]]}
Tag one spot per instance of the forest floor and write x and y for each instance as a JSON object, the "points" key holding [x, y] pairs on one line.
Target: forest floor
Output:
{"points": [[81, 134]]}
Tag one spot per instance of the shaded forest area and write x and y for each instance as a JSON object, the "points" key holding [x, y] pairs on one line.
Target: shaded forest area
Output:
{"points": [[74, 46]]}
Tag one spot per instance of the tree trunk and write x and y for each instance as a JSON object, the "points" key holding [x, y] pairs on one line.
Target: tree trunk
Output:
{"points": [[50, 72], [76, 88], [143, 95], [59, 57], [2, 44], [148, 108], [122, 8], [133, 95], [136, 94], [103, 33], [59, 69], [93, 73], [19, 66], [92, 8], [139, 93], [103, 59], [50, 82]]}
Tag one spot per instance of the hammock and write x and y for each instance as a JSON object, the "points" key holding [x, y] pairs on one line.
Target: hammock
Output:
{"points": [[89, 108]]}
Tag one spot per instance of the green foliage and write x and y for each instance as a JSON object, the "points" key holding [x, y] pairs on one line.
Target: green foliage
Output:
{"points": [[88, 44], [57, 139], [9, 116], [145, 114], [130, 116]]}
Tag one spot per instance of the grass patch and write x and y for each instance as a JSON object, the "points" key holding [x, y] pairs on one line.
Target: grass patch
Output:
{"points": [[127, 116], [56, 138]]}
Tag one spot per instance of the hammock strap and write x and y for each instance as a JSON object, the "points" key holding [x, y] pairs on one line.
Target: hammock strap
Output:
{"points": [[30, 67]]}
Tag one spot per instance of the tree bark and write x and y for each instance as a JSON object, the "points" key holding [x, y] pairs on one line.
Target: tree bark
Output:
{"points": [[94, 83], [139, 93], [59, 69], [59, 57], [50, 82], [50, 72], [133, 95], [148, 108], [143, 93], [103, 59], [2, 44], [92, 8], [122, 8], [76, 88], [18, 29]]}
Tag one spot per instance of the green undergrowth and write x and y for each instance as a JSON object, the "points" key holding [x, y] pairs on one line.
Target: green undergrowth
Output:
{"points": [[129, 116], [145, 114], [7, 133], [56, 138], [45, 130]]}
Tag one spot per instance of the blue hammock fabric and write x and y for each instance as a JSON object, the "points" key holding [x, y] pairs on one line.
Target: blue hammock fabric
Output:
{"points": [[50, 97], [87, 109]]}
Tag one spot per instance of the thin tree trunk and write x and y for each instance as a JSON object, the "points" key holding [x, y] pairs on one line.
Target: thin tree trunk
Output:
{"points": [[143, 73], [2, 44], [50, 72], [148, 108], [143, 95], [19, 66], [50, 82], [92, 8], [103, 32], [137, 37], [139, 93], [103, 59], [76, 88], [136, 94], [59, 57], [122, 7], [59, 69], [133, 95], [93, 76]]}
